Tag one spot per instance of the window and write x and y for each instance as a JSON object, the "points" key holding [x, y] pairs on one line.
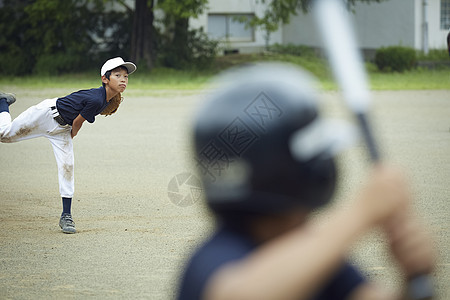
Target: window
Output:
{"points": [[228, 27], [445, 14]]}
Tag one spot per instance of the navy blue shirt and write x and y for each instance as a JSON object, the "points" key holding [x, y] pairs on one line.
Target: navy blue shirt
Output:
{"points": [[88, 103], [227, 245]]}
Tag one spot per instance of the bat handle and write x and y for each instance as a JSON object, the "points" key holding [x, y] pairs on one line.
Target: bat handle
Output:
{"points": [[368, 137], [420, 287]]}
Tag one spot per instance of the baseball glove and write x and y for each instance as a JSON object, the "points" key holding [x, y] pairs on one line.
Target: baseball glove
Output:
{"points": [[113, 105]]}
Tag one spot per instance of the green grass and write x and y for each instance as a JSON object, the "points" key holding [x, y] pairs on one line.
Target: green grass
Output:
{"points": [[159, 79], [168, 79], [412, 80]]}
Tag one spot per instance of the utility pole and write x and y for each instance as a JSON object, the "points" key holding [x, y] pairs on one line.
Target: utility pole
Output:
{"points": [[425, 27]]}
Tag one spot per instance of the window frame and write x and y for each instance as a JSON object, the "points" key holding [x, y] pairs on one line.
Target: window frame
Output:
{"points": [[444, 14], [229, 20]]}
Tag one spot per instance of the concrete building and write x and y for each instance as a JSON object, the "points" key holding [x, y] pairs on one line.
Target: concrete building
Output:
{"points": [[420, 24], [219, 21]]}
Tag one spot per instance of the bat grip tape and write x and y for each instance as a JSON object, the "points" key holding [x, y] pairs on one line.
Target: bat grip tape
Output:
{"points": [[368, 136], [420, 287]]}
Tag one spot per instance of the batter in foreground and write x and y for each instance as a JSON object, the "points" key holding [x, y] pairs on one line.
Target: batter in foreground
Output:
{"points": [[267, 161]]}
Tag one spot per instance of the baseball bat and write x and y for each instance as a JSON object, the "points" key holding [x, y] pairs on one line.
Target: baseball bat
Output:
{"points": [[348, 67]]}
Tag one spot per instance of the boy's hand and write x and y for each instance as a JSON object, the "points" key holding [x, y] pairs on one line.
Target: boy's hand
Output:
{"points": [[410, 244], [385, 194]]}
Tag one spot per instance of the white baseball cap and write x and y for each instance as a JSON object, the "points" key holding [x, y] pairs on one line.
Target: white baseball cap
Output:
{"points": [[113, 63]]}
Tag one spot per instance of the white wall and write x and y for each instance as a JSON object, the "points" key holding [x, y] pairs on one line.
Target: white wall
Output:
{"points": [[377, 24], [418, 19], [437, 38], [302, 30], [389, 23]]}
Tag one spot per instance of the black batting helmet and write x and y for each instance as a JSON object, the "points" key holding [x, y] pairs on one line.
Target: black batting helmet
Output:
{"points": [[260, 145]]}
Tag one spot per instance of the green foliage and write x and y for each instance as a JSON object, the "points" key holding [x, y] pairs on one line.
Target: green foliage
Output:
{"points": [[159, 80], [297, 50], [112, 34], [179, 47], [433, 55], [203, 49], [315, 65], [55, 36], [57, 63], [199, 52], [52, 36], [417, 79], [13, 59], [278, 12], [182, 8], [395, 58]]}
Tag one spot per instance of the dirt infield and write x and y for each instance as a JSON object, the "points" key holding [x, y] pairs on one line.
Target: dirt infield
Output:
{"points": [[135, 229]]}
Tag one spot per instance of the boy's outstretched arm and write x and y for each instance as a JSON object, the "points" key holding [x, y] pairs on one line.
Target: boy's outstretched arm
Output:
{"points": [[296, 264], [76, 125]]}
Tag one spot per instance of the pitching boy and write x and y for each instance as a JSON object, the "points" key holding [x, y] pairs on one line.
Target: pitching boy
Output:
{"points": [[60, 119], [267, 160]]}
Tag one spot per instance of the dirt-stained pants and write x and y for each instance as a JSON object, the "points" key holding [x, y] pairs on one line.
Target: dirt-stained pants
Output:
{"points": [[38, 121]]}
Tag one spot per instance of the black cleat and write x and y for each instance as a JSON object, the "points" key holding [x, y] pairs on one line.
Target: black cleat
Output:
{"points": [[10, 98]]}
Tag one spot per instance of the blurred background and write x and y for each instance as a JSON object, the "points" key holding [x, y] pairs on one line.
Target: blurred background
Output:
{"points": [[52, 37]]}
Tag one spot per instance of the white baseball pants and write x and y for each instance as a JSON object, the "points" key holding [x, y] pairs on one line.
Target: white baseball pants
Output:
{"points": [[38, 121]]}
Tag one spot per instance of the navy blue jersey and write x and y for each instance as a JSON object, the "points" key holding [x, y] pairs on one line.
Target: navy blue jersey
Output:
{"points": [[227, 245], [88, 103]]}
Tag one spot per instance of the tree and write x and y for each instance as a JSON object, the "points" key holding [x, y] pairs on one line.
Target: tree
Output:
{"points": [[13, 59], [53, 36], [174, 44], [45, 34], [143, 33], [178, 37]]}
